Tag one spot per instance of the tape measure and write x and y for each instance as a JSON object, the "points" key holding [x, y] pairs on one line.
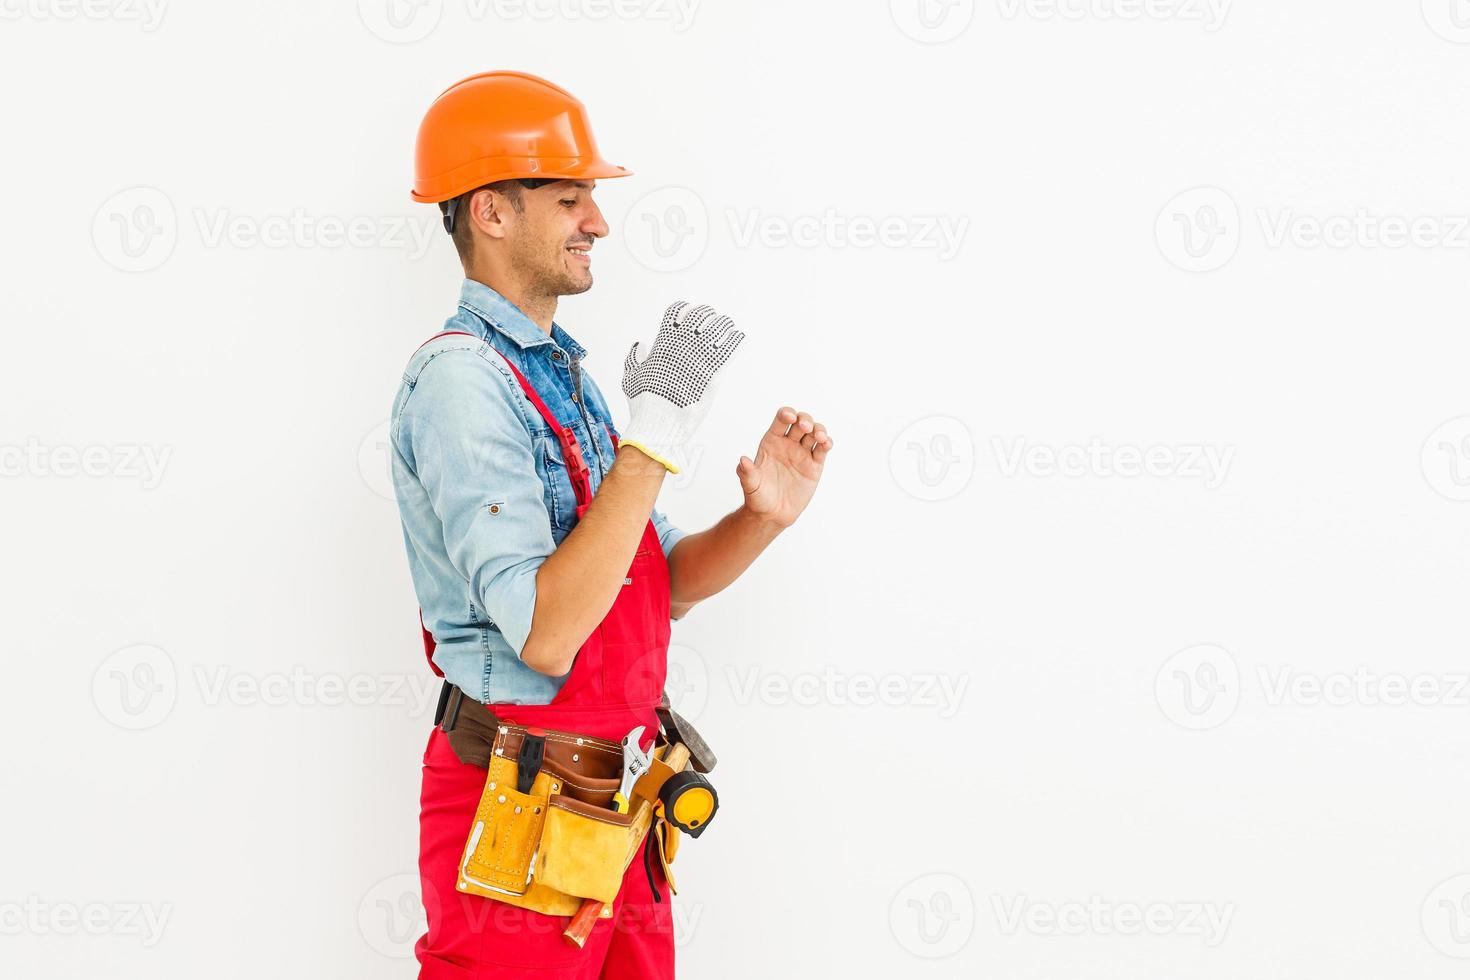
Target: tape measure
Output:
{"points": [[689, 800]]}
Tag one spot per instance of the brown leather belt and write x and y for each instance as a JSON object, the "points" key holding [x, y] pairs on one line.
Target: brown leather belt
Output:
{"points": [[473, 728], [590, 766]]}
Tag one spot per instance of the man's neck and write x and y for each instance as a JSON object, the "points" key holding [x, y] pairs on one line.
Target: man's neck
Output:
{"points": [[539, 309]]}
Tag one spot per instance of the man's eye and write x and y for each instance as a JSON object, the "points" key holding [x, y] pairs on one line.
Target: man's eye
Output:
{"points": [[568, 202]]}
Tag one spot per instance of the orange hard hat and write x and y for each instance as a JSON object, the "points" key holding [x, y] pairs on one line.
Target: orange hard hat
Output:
{"points": [[500, 125]]}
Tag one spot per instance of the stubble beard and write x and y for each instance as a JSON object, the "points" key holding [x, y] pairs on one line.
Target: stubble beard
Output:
{"points": [[550, 279]]}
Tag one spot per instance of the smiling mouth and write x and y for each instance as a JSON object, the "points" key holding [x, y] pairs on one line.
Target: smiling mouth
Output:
{"points": [[582, 252]]}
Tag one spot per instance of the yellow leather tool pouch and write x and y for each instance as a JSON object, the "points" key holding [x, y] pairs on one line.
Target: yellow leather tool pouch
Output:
{"points": [[507, 830], [501, 854], [561, 843], [666, 839], [585, 849]]}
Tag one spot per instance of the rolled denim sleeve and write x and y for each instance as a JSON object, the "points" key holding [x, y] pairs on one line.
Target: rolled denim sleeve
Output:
{"points": [[668, 534], [462, 432]]}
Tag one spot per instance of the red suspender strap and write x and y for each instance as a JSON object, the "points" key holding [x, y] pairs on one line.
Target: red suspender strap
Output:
{"points": [[571, 447], [429, 645]]}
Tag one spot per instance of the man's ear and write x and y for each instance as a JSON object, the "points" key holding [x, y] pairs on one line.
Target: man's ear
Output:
{"points": [[487, 211]]}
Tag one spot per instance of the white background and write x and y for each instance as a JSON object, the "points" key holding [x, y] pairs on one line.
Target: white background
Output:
{"points": [[215, 703]]}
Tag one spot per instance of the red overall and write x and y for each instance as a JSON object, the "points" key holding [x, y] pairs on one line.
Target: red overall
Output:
{"points": [[615, 685]]}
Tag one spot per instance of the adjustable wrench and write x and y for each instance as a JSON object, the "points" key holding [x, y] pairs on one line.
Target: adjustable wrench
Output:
{"points": [[635, 764]]}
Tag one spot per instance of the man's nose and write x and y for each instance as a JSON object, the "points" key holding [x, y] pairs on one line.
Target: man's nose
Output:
{"points": [[594, 224]]}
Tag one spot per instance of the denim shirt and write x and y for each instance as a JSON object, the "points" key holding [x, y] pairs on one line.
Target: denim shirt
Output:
{"points": [[483, 491]]}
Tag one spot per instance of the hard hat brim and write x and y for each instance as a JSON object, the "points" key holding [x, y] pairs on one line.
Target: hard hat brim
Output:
{"points": [[444, 187]]}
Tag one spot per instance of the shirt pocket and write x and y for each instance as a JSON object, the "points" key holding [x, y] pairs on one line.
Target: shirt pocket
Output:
{"points": [[561, 500]]}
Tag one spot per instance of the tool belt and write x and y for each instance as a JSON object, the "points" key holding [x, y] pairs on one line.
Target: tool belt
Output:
{"points": [[556, 842]]}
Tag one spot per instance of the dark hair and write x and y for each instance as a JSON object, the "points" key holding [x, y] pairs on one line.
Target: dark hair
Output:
{"points": [[452, 208]]}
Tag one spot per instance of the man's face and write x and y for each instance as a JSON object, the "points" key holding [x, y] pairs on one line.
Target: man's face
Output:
{"points": [[551, 239]]}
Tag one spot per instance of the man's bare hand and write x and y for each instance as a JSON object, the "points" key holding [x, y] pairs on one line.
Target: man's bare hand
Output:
{"points": [[780, 481]]}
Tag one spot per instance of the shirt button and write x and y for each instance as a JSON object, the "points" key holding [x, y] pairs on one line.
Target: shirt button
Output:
{"points": [[556, 355], [574, 396]]}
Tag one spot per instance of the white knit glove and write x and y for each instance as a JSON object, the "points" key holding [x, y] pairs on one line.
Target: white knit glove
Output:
{"points": [[670, 390]]}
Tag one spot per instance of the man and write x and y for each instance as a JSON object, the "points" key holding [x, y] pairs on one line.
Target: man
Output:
{"points": [[542, 604]]}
